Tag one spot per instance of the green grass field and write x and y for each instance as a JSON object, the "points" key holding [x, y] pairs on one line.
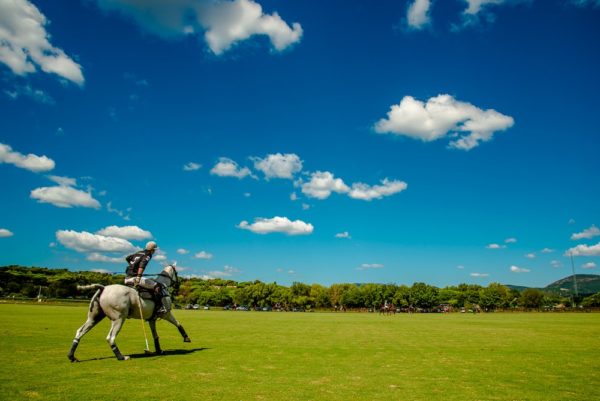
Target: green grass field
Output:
{"points": [[305, 356]]}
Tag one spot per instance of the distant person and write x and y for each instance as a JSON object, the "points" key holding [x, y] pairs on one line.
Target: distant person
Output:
{"points": [[137, 264]]}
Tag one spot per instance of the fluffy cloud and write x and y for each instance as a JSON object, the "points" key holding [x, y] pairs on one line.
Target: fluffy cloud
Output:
{"points": [[443, 116], [510, 240], [29, 162], [547, 250], [203, 255], [495, 246], [417, 15], [480, 9], [366, 192], [277, 225], [182, 251], [5, 233], [530, 255], [588, 233], [88, 242], [25, 44], [126, 232], [64, 196], [322, 184], [516, 269], [367, 266], [191, 166], [229, 168], [589, 265], [98, 257], [584, 250], [345, 234], [227, 271], [279, 165], [224, 23]]}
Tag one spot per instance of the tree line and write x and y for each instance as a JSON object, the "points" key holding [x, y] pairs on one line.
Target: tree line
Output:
{"points": [[32, 282]]}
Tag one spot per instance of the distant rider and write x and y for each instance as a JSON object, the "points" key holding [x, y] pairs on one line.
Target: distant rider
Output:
{"points": [[137, 264]]}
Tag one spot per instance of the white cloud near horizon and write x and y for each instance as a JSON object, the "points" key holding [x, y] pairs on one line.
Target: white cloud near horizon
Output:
{"points": [[479, 274], [88, 242], [417, 14], [203, 255], [443, 116], [29, 162], [588, 233], [517, 269], [98, 257], [277, 225], [278, 165], [368, 266], [65, 197], [227, 271], [5, 233], [125, 232], [222, 23], [584, 250], [588, 265], [226, 167], [25, 44]]}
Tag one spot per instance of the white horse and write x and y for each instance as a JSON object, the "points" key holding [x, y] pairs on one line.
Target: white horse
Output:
{"points": [[119, 302]]}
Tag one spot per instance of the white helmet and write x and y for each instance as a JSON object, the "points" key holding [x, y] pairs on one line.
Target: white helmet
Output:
{"points": [[151, 245]]}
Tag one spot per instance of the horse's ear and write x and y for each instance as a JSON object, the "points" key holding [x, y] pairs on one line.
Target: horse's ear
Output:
{"points": [[174, 264]]}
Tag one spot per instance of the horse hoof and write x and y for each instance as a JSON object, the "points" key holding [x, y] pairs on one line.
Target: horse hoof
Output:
{"points": [[187, 340], [73, 359], [126, 358]]}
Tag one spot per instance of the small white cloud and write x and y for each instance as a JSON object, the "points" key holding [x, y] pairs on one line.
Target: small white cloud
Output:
{"points": [[277, 225], [345, 234], [322, 184], [584, 250], [123, 214], [98, 257], [25, 44], [63, 181], [589, 265], [63, 196], [229, 168], [278, 165], [387, 188], [588, 233], [555, 263], [530, 255], [161, 256], [440, 117], [417, 15], [4, 233], [495, 246], [368, 266], [547, 250], [182, 251], [305, 206], [293, 197], [88, 242], [191, 166], [227, 271], [510, 241], [29, 162], [479, 274], [516, 269], [460, 267], [203, 255], [126, 232]]}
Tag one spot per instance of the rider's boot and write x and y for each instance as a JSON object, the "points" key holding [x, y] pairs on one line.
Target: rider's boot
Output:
{"points": [[159, 299]]}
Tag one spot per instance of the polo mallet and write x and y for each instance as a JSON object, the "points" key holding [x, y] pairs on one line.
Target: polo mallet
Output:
{"points": [[142, 319]]}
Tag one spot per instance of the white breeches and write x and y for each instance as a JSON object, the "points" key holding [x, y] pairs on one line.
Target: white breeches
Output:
{"points": [[145, 282]]}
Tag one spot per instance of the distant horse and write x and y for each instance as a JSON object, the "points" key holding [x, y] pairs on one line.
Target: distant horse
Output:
{"points": [[387, 309], [119, 302]]}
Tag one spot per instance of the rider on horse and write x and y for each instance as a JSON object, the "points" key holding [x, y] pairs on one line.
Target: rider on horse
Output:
{"points": [[137, 263]]}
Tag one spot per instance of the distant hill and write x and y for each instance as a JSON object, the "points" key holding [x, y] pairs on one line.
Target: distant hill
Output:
{"points": [[587, 284]]}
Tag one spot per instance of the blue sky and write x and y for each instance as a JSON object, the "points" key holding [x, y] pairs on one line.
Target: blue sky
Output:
{"points": [[322, 142]]}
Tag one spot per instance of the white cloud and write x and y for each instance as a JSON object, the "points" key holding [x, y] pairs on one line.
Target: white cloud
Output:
{"points": [[588, 233], [495, 246], [161, 256], [98, 257], [387, 188], [345, 234], [4, 233], [588, 265], [368, 266], [203, 255], [88, 242], [305, 206], [479, 274], [229, 168], [28, 91], [516, 269], [224, 23], [322, 184], [584, 250], [29, 162], [278, 165], [417, 15], [460, 267], [443, 116], [64, 196], [277, 225], [478, 9], [191, 166], [510, 240], [227, 271], [182, 251], [25, 44], [555, 264], [126, 232], [293, 197], [63, 181], [547, 250], [530, 255], [124, 215]]}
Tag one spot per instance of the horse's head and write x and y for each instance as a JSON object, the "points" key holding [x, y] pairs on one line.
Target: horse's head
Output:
{"points": [[168, 276]]}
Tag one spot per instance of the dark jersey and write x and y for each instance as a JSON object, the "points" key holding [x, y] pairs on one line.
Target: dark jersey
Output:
{"points": [[136, 261]]}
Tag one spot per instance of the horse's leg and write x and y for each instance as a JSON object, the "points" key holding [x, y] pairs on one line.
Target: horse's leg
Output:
{"points": [[157, 348], [94, 317], [171, 319], [112, 335]]}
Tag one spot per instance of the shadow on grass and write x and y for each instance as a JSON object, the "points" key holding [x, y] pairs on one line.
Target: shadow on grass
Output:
{"points": [[149, 354]]}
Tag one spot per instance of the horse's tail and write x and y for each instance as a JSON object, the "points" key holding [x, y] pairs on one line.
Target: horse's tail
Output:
{"points": [[90, 287], [94, 301]]}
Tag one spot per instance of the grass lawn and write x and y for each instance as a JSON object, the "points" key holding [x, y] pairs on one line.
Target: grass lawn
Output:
{"points": [[305, 356]]}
